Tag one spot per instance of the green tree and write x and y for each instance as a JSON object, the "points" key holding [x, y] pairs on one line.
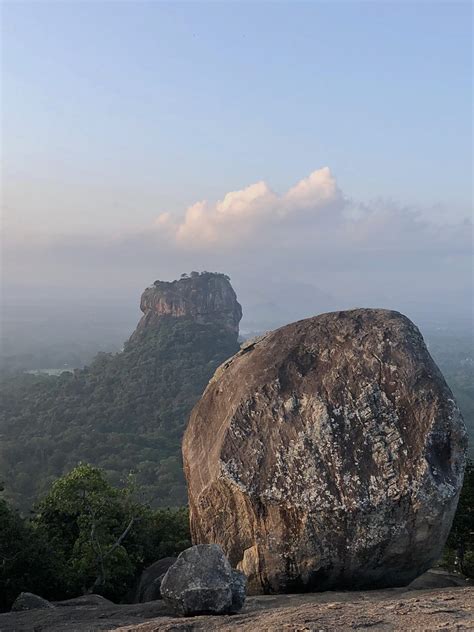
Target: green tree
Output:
{"points": [[461, 538], [89, 524], [27, 561], [13, 565], [122, 411], [101, 535]]}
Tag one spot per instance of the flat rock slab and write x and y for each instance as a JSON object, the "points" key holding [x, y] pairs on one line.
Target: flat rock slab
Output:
{"points": [[74, 618], [387, 610], [392, 609]]}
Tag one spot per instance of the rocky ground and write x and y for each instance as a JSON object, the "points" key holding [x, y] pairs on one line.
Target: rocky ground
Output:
{"points": [[447, 608]]}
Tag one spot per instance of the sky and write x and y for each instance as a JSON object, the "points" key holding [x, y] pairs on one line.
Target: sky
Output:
{"points": [[319, 152]]}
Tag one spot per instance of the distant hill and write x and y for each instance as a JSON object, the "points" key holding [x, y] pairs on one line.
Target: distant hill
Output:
{"points": [[126, 411]]}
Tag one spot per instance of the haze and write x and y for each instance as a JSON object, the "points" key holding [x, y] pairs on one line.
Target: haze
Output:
{"points": [[320, 154]]}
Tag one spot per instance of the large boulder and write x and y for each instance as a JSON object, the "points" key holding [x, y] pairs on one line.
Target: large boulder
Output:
{"points": [[202, 582], [327, 454], [30, 601]]}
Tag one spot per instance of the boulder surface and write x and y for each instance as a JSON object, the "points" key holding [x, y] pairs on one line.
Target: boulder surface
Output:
{"points": [[30, 601], [149, 586], [327, 454], [201, 581]]}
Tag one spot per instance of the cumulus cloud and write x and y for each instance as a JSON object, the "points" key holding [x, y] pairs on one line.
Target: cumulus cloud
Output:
{"points": [[338, 252], [313, 218], [241, 213]]}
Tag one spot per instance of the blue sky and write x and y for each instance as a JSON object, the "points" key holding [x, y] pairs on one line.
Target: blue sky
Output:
{"points": [[176, 102], [119, 116]]}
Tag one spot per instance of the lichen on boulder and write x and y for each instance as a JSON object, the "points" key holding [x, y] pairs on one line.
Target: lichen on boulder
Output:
{"points": [[327, 454]]}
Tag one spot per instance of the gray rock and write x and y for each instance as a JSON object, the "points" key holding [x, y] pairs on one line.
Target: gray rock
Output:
{"points": [[393, 609], [202, 582], [29, 601], [148, 588], [84, 601], [328, 454], [439, 578], [239, 590]]}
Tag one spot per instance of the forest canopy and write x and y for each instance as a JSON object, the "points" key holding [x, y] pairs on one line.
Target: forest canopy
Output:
{"points": [[125, 412], [85, 536]]}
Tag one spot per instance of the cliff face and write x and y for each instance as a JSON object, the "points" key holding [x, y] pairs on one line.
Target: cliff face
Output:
{"points": [[206, 298]]}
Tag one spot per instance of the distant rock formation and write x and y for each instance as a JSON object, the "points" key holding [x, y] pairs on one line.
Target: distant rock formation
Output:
{"points": [[137, 402], [205, 297], [328, 453]]}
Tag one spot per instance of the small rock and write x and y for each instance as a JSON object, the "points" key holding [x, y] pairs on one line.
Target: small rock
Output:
{"points": [[201, 581], [436, 578], [29, 601], [84, 601]]}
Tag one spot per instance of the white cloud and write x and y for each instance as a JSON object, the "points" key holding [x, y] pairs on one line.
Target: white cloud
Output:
{"points": [[311, 236], [318, 189], [313, 215], [241, 213]]}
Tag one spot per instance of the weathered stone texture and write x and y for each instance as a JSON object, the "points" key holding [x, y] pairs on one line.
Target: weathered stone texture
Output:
{"points": [[206, 298], [201, 581], [30, 601], [149, 585], [328, 453]]}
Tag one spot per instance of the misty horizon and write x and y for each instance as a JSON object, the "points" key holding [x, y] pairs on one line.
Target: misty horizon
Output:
{"points": [[329, 179]]}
